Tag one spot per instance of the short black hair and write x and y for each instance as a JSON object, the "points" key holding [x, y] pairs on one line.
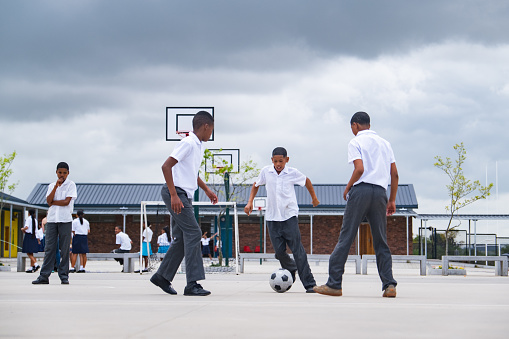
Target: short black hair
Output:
{"points": [[362, 118], [279, 151], [201, 118], [62, 165]]}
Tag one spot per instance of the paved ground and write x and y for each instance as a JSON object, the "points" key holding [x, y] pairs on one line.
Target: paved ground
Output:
{"points": [[106, 303]]}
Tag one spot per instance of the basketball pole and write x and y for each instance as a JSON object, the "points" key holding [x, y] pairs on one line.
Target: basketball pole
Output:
{"points": [[227, 196]]}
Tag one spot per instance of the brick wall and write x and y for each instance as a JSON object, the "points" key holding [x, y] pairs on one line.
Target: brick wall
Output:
{"points": [[325, 233]]}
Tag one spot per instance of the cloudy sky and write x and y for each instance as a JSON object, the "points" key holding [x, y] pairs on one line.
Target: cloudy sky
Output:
{"points": [[87, 82]]}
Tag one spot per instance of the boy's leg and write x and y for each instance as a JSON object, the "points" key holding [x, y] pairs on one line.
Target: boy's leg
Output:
{"points": [[50, 250], [378, 222], [356, 209], [64, 234], [187, 243], [292, 235], [279, 244]]}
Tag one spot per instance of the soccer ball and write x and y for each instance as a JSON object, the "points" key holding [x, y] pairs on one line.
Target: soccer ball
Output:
{"points": [[281, 280]]}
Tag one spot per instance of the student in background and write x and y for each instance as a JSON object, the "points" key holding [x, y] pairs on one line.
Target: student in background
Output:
{"points": [[80, 231], [30, 243]]}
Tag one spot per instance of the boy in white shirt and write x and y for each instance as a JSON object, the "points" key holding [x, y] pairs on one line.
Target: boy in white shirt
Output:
{"points": [[180, 172], [282, 211], [366, 196], [124, 241], [60, 198]]}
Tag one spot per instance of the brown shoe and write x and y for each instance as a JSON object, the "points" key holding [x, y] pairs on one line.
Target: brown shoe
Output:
{"points": [[390, 292], [324, 289]]}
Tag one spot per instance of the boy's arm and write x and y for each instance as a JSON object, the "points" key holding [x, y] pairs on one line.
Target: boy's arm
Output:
{"points": [[212, 196], [249, 206], [391, 204], [176, 204], [50, 198], [358, 170], [311, 190]]}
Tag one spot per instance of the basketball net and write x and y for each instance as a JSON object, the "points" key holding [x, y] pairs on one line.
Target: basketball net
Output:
{"points": [[183, 134]]}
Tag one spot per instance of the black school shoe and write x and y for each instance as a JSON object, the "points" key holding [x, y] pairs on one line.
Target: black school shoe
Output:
{"points": [[196, 290], [40, 281], [64, 281], [164, 284]]}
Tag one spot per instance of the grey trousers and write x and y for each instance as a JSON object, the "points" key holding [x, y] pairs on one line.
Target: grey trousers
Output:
{"points": [[187, 234], [284, 233], [370, 201], [57, 233]]}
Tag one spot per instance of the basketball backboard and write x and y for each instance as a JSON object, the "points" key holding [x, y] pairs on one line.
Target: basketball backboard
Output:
{"points": [[260, 203], [223, 157], [179, 121]]}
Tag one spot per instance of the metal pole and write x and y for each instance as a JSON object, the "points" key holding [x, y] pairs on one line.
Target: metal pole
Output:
{"points": [[426, 239], [311, 233], [261, 231], [469, 239], [475, 238], [11, 231], [407, 241], [227, 195]]}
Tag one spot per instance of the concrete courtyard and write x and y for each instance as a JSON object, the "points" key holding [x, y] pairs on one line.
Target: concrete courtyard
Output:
{"points": [[105, 303]]}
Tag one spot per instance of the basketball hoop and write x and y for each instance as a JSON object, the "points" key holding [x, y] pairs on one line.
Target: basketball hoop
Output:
{"points": [[183, 134]]}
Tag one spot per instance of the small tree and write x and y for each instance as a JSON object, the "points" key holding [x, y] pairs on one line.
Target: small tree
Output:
{"points": [[5, 172], [248, 170], [459, 188]]}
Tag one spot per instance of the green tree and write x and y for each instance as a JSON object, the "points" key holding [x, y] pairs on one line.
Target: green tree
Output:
{"points": [[5, 172], [461, 191], [248, 170]]}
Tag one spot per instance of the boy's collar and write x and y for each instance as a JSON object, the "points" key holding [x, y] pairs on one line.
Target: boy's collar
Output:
{"points": [[195, 137], [366, 131], [285, 170]]}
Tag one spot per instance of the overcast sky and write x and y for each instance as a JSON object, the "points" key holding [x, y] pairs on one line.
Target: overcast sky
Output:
{"points": [[87, 82]]}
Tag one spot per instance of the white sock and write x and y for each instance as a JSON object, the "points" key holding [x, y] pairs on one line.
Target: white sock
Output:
{"points": [[81, 268]]}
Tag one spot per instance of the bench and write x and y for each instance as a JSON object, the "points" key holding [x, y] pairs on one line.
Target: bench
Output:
{"points": [[129, 259], [395, 257], [311, 257], [500, 262]]}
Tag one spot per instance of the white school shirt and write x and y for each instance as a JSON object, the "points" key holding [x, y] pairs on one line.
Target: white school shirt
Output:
{"points": [[189, 154], [205, 241], [147, 235], [80, 229], [281, 199], [39, 234], [28, 223], [162, 240], [376, 155], [124, 241], [62, 213]]}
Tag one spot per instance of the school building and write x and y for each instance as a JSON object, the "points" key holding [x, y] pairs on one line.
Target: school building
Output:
{"points": [[110, 205], [12, 219]]}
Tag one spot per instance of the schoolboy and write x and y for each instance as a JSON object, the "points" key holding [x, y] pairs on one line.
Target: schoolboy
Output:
{"points": [[125, 243], [282, 211], [180, 172], [366, 196], [60, 198]]}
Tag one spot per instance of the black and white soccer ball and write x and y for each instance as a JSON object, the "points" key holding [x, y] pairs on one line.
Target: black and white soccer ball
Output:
{"points": [[281, 280]]}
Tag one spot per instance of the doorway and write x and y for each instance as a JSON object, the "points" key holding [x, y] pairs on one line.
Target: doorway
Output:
{"points": [[366, 240]]}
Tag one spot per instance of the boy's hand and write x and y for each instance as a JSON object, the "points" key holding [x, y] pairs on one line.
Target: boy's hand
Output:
{"points": [[345, 193], [315, 202], [249, 208], [212, 196], [391, 208], [59, 182], [176, 204]]}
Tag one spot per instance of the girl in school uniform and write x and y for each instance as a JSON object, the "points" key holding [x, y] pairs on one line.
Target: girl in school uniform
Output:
{"points": [[163, 241], [30, 244], [80, 231], [39, 235]]}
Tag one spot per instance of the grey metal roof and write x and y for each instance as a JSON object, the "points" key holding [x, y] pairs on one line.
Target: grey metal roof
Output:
{"points": [[130, 195]]}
